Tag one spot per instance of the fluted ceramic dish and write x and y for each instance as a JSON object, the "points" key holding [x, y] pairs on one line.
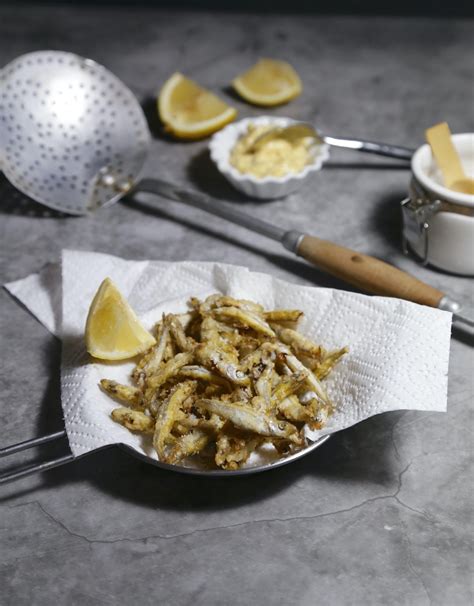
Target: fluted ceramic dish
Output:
{"points": [[266, 188]]}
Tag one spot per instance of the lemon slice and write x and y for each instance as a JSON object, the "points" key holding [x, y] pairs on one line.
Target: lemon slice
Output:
{"points": [[190, 111], [113, 331], [268, 82]]}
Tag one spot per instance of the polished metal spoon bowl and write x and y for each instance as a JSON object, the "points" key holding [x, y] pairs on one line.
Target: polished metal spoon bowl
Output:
{"points": [[297, 131]]}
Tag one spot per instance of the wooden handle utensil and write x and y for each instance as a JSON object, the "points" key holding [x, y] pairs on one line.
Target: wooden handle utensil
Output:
{"points": [[366, 273]]}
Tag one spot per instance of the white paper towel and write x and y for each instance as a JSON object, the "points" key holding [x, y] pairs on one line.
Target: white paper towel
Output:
{"points": [[398, 351]]}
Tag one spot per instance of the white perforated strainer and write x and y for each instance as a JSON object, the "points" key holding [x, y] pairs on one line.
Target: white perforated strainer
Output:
{"points": [[72, 135]]}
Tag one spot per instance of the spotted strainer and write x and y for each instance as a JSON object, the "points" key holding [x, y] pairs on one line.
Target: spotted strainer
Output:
{"points": [[72, 135]]}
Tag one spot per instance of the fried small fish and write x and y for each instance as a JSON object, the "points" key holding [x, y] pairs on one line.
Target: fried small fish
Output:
{"points": [[224, 360], [233, 451], [292, 409], [244, 318], [299, 343], [188, 445], [168, 415], [290, 316], [132, 396], [245, 417], [134, 420]]}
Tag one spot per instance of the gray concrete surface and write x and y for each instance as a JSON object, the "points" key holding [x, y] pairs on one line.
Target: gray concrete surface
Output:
{"points": [[382, 513]]}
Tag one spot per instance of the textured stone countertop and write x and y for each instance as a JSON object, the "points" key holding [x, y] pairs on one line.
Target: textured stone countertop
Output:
{"points": [[380, 514]]}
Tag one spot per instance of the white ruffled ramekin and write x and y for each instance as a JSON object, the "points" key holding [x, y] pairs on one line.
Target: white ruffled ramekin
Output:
{"points": [[267, 188]]}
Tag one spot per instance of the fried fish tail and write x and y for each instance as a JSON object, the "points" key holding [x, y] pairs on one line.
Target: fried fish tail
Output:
{"points": [[134, 420], [329, 361], [132, 396]]}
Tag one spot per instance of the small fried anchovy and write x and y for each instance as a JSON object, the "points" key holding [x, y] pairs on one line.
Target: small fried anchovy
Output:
{"points": [[188, 445], [259, 355], [186, 318], [312, 382], [168, 370], [123, 393], [225, 361], [263, 386], [283, 315], [243, 318], [288, 386], [154, 359], [176, 329], [168, 414], [299, 343], [329, 361], [293, 410], [133, 420], [232, 452], [245, 417], [321, 417], [212, 425], [218, 300], [193, 371]]}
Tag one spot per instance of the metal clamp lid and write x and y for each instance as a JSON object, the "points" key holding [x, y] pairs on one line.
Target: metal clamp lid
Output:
{"points": [[417, 210]]}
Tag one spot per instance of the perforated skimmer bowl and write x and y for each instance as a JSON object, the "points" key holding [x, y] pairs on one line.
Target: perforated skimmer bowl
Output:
{"points": [[72, 135]]}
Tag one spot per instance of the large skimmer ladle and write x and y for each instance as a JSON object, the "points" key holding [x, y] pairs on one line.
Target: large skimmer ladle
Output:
{"points": [[74, 137]]}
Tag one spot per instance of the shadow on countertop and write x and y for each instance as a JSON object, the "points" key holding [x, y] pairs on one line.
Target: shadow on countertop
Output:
{"points": [[364, 453], [13, 202], [387, 220]]}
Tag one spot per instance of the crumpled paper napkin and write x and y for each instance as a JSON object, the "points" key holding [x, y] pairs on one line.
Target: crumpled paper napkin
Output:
{"points": [[398, 351]]}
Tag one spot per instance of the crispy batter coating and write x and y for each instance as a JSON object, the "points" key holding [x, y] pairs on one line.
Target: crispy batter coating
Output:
{"points": [[301, 344], [223, 379], [241, 317], [126, 394], [245, 417], [133, 420], [232, 451], [168, 415], [290, 316]]}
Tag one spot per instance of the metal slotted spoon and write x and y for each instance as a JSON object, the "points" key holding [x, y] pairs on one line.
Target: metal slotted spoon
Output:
{"points": [[73, 137]]}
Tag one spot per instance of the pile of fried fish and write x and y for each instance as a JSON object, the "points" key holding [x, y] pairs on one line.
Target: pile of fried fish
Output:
{"points": [[224, 379]]}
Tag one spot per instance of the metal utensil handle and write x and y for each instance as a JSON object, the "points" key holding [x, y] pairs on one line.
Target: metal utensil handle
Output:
{"points": [[43, 466], [27, 444], [372, 147], [27, 471]]}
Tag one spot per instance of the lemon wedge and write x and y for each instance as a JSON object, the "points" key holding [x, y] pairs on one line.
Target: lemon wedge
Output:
{"points": [[269, 82], [113, 331], [190, 111]]}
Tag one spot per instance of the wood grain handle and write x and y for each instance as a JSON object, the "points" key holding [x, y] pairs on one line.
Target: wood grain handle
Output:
{"points": [[367, 273]]}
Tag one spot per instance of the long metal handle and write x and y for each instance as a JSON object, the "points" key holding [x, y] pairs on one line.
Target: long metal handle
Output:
{"points": [[27, 444], [290, 239], [209, 205], [372, 147], [30, 469], [27, 471]]}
